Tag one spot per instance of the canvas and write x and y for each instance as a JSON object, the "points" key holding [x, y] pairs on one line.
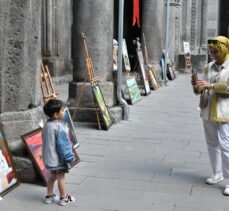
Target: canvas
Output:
{"points": [[133, 89], [154, 83], [186, 48], [102, 106], [143, 71], [125, 56], [33, 143], [8, 176], [70, 128]]}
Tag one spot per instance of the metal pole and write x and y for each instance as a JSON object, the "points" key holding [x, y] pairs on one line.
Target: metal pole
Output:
{"points": [[119, 73], [166, 38]]}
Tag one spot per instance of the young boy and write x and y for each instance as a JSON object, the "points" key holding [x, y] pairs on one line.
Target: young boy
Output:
{"points": [[56, 151]]}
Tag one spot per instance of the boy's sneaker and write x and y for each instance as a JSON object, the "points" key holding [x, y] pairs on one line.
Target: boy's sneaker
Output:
{"points": [[66, 200], [51, 199], [215, 178]]}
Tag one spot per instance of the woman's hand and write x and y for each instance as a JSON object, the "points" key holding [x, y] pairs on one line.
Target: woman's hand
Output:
{"points": [[193, 80], [203, 84]]}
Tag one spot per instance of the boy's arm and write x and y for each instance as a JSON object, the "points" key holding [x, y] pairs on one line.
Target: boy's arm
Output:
{"points": [[64, 146]]}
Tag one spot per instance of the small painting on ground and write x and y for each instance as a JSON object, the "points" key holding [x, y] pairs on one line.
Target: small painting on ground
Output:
{"points": [[133, 89]]}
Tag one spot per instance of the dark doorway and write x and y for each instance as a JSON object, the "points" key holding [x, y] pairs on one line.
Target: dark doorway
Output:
{"points": [[129, 32], [224, 18]]}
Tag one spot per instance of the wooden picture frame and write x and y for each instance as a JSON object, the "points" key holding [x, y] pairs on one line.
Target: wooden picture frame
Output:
{"points": [[154, 82], [170, 73], [125, 56], [70, 129], [8, 176], [186, 46], [97, 93], [133, 90], [143, 71], [33, 144]]}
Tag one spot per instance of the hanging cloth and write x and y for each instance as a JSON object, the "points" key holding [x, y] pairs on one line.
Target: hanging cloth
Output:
{"points": [[136, 15]]}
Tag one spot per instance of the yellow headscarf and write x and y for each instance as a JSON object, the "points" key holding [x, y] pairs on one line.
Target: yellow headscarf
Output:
{"points": [[222, 46]]}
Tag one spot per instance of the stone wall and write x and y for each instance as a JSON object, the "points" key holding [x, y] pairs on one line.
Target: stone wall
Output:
{"points": [[20, 47], [213, 18], [56, 17], [20, 58]]}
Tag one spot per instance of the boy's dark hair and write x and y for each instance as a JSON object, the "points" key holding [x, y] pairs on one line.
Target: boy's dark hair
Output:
{"points": [[52, 106]]}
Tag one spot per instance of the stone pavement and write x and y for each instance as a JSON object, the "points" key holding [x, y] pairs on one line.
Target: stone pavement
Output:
{"points": [[156, 161]]}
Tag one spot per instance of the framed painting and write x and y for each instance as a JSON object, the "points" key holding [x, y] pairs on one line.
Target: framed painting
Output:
{"points": [[70, 128], [8, 176], [186, 46], [33, 144], [143, 71], [163, 71], [102, 106], [115, 55], [153, 80], [125, 56], [134, 92], [170, 73]]}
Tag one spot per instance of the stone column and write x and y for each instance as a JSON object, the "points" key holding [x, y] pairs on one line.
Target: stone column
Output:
{"points": [[193, 26], [198, 25], [199, 58], [95, 19], [56, 36], [186, 19], [178, 31], [19, 76], [203, 36], [153, 26]]}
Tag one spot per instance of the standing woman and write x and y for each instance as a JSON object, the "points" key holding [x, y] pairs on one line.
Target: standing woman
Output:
{"points": [[214, 89]]}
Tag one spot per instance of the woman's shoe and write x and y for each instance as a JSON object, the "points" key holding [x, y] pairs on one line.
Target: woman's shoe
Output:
{"points": [[215, 178], [226, 190]]}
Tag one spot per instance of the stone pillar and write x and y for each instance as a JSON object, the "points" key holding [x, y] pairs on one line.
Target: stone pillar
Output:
{"points": [[153, 26], [178, 31], [199, 58], [198, 26], [186, 19], [95, 19], [20, 70], [213, 18], [56, 36], [193, 26], [203, 36], [172, 33]]}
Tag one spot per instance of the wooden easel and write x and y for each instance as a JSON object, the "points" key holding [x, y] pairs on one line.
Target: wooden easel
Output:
{"points": [[47, 88], [188, 63], [90, 76]]}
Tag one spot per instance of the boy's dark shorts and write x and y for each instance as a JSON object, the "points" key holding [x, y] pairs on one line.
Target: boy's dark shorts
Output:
{"points": [[60, 171]]}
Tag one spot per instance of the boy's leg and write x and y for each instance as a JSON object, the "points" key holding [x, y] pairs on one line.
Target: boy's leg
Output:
{"points": [[50, 184], [50, 197], [64, 197], [61, 184]]}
